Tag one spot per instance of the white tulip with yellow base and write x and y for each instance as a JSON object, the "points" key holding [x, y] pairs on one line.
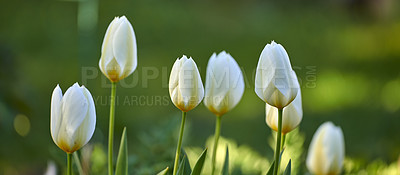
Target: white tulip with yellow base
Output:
{"points": [[326, 152], [291, 117], [118, 60], [224, 89], [73, 119], [186, 91], [118, 52], [185, 85], [276, 84], [224, 84]]}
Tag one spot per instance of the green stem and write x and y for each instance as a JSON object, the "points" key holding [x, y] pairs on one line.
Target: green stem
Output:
{"points": [[78, 163], [216, 137], [282, 146], [178, 149], [278, 142], [69, 164], [111, 128]]}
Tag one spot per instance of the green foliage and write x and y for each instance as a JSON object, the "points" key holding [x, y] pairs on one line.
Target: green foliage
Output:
{"points": [[293, 150], [271, 169], [156, 147], [98, 160], [163, 172], [186, 170], [288, 168], [122, 160], [182, 168], [243, 159], [377, 167], [225, 169], [199, 164]]}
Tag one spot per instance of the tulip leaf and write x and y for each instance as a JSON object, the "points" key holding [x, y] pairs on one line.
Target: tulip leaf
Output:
{"points": [[122, 160], [288, 168], [199, 164], [182, 167], [187, 169], [163, 172], [225, 169], [271, 169], [280, 155]]}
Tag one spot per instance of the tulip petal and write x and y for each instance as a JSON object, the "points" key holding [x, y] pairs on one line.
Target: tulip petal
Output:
{"points": [[274, 78], [124, 44], [86, 130], [55, 116], [326, 152], [74, 109], [292, 114], [236, 83], [224, 83], [185, 85], [217, 84], [107, 53], [174, 82], [113, 70], [291, 117], [190, 84]]}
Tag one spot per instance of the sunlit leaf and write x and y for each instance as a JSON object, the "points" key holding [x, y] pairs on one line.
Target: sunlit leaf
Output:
{"points": [[271, 168], [163, 172], [288, 168], [199, 164]]}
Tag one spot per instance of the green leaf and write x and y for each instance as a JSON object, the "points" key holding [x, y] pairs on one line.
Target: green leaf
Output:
{"points": [[181, 167], [188, 169], [288, 168], [122, 160], [225, 169], [271, 169], [163, 172], [199, 164], [280, 155]]}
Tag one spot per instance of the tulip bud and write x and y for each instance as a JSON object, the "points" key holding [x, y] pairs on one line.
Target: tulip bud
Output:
{"points": [[291, 117], [73, 117], [276, 82], [118, 52], [224, 84], [326, 152], [185, 86]]}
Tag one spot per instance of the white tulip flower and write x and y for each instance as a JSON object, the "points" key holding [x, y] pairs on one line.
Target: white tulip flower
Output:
{"points": [[224, 84], [73, 117], [291, 117], [185, 85], [275, 82], [118, 53], [326, 151]]}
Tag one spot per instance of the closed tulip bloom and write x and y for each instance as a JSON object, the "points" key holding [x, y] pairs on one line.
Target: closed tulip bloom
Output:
{"points": [[326, 152], [291, 117], [73, 117], [276, 82], [185, 85], [118, 53], [224, 83]]}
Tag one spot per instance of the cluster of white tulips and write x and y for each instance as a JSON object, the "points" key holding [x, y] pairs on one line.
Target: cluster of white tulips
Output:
{"points": [[73, 115]]}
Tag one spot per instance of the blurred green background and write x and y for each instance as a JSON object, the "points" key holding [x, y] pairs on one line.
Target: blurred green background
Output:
{"points": [[345, 52]]}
